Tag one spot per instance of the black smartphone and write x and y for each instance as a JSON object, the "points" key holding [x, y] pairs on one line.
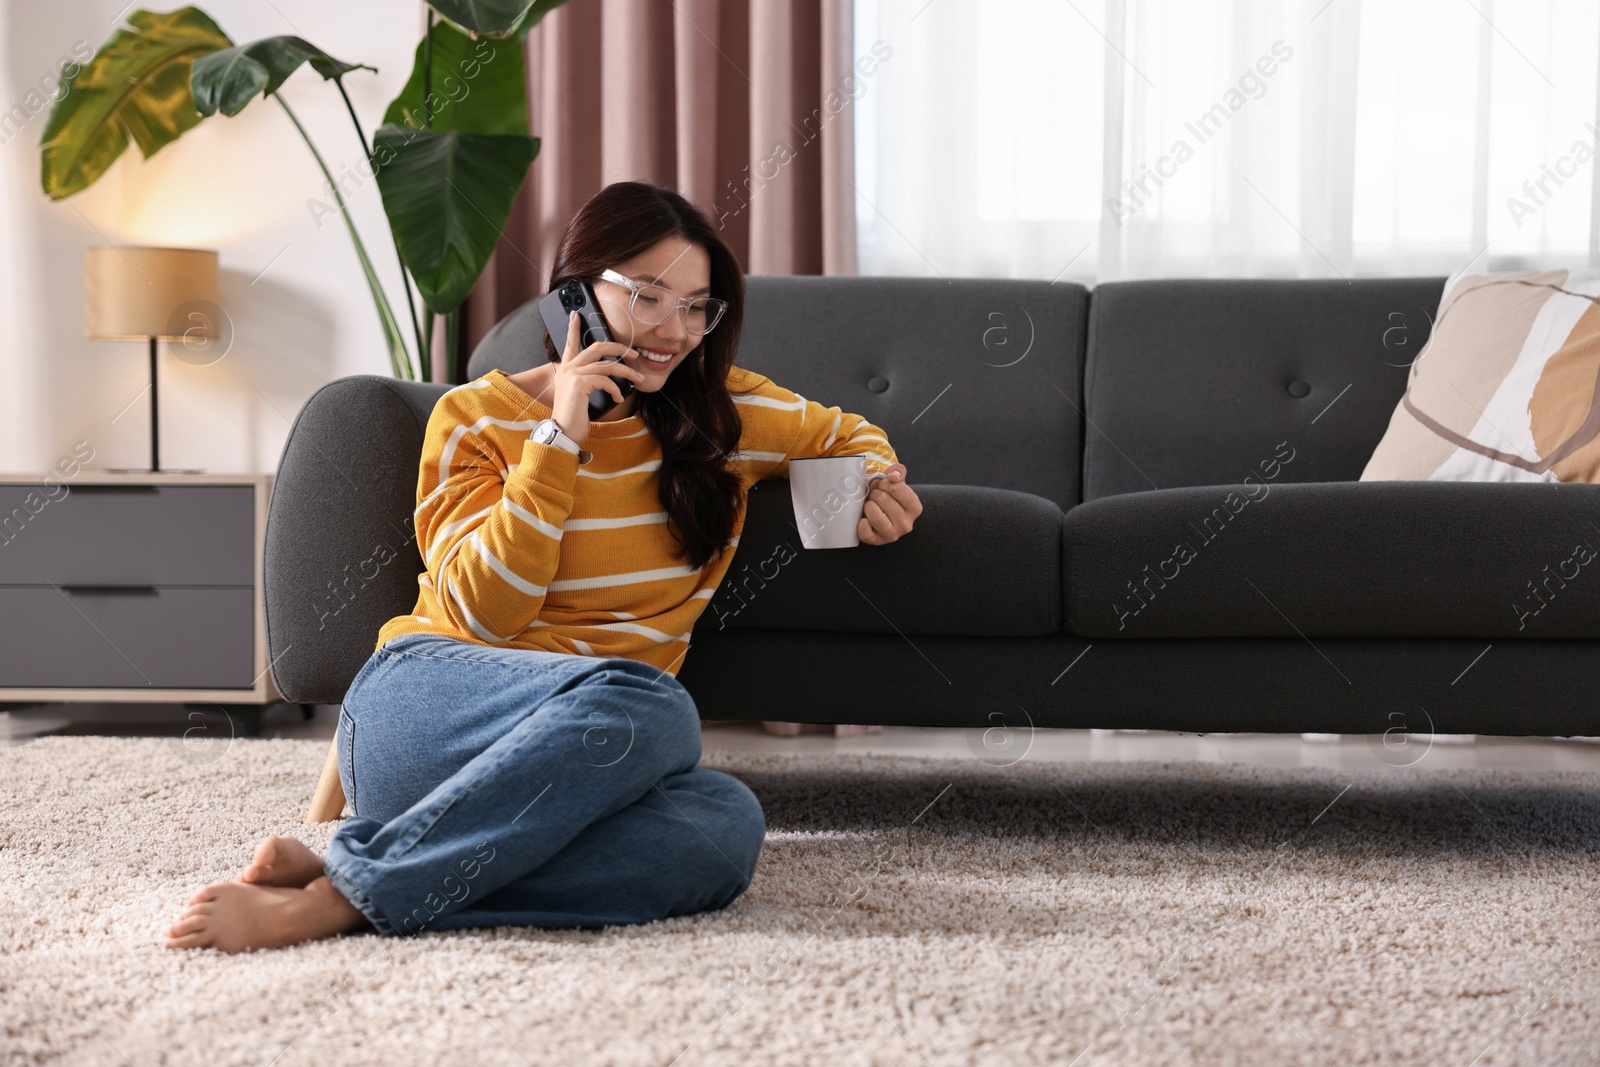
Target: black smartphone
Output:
{"points": [[556, 308]]}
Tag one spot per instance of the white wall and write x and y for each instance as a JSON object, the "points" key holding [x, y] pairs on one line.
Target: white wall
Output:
{"points": [[294, 291]]}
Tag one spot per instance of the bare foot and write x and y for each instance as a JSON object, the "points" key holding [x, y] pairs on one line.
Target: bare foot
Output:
{"points": [[237, 916], [283, 861]]}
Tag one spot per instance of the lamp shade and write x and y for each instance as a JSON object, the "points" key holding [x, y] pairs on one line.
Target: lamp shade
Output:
{"points": [[131, 294]]}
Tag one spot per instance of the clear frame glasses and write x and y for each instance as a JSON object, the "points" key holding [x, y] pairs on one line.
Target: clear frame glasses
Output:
{"points": [[654, 304]]}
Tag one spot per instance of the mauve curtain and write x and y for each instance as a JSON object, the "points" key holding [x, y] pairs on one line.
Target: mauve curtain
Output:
{"points": [[743, 106]]}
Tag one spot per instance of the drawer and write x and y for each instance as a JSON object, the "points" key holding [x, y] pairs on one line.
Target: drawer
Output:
{"points": [[128, 535], [158, 637]]}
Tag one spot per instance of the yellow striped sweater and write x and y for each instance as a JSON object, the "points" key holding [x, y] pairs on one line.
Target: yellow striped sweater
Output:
{"points": [[526, 548]]}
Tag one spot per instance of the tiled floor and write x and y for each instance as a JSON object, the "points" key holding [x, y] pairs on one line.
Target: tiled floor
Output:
{"points": [[19, 725]]}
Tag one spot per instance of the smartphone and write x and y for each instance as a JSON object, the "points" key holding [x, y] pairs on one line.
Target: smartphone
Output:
{"points": [[556, 307]]}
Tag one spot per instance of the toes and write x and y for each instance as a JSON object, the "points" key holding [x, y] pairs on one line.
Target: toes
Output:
{"points": [[208, 892], [267, 851], [280, 861], [188, 924], [195, 940], [276, 847]]}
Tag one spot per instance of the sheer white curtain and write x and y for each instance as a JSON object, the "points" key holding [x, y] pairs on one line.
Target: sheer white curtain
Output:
{"points": [[1104, 139]]}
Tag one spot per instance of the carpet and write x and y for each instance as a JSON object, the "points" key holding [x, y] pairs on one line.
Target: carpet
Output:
{"points": [[905, 911]]}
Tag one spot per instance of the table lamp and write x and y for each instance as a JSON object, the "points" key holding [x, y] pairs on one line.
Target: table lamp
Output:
{"points": [[150, 294]]}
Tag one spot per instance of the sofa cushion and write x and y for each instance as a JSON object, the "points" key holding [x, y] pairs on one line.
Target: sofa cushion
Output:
{"points": [[1193, 382], [984, 562], [960, 373], [1341, 559]]}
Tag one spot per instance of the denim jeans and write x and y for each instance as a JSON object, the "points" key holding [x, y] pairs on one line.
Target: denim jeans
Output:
{"points": [[496, 786]]}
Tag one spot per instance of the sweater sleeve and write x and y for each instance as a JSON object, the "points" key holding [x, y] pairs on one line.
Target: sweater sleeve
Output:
{"points": [[781, 425], [490, 537]]}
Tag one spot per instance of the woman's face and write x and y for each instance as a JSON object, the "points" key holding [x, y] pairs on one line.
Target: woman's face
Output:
{"points": [[677, 264]]}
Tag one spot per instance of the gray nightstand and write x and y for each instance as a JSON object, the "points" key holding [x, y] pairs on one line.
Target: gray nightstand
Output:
{"points": [[134, 587]]}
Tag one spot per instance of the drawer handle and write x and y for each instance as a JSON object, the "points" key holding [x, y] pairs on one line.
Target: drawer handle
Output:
{"points": [[103, 488], [102, 590]]}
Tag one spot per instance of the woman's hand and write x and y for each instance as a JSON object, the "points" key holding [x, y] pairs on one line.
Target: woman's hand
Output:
{"points": [[891, 507], [582, 372]]}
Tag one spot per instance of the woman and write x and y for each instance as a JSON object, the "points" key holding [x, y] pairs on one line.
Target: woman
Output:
{"points": [[518, 750]]}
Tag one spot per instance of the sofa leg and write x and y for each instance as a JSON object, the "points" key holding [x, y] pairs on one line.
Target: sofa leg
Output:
{"points": [[792, 729], [327, 803]]}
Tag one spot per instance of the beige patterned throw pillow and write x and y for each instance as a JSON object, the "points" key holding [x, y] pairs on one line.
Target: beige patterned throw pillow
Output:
{"points": [[1507, 388]]}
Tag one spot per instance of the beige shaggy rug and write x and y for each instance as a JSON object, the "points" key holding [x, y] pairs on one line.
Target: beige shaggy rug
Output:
{"points": [[906, 911]]}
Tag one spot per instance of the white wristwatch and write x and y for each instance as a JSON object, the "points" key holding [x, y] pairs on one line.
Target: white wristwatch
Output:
{"points": [[549, 432]]}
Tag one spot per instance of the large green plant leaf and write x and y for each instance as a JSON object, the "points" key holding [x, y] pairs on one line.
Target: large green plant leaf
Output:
{"points": [[532, 13], [136, 86], [498, 17], [477, 86], [448, 195], [226, 81]]}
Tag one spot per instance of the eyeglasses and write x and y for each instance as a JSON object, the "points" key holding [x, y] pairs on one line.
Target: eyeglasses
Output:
{"points": [[655, 304]]}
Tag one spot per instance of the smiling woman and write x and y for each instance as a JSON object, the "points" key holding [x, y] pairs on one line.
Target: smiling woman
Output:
{"points": [[518, 749], [633, 545]]}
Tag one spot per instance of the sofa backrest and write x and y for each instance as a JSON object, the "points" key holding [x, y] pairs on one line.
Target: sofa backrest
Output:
{"points": [[1199, 381], [976, 381]]}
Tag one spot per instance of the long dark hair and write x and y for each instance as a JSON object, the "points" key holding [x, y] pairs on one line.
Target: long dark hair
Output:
{"points": [[691, 415]]}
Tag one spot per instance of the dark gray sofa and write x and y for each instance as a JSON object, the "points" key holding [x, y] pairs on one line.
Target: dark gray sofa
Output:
{"points": [[1068, 446]]}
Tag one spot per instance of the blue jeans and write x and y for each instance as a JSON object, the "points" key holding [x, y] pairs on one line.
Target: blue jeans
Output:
{"points": [[496, 786]]}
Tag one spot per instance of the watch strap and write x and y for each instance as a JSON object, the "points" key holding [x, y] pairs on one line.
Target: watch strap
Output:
{"points": [[551, 432]]}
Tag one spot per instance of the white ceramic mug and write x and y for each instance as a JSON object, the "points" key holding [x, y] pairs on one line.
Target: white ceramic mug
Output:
{"points": [[829, 495]]}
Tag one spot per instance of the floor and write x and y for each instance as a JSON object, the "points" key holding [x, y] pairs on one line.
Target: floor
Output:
{"points": [[906, 911], [21, 723]]}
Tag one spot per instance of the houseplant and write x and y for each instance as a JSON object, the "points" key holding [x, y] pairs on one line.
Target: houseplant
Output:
{"points": [[450, 154]]}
